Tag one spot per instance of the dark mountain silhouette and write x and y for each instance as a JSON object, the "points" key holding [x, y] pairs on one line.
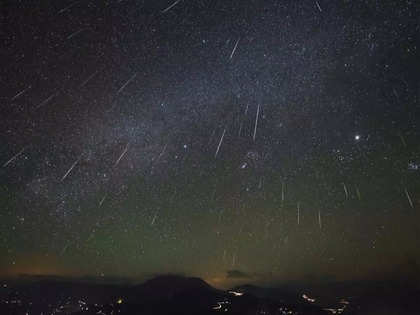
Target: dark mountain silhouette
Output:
{"points": [[169, 285], [175, 295], [181, 295], [166, 294], [171, 295]]}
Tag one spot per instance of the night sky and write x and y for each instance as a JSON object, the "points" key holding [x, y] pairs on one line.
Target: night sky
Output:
{"points": [[253, 141]]}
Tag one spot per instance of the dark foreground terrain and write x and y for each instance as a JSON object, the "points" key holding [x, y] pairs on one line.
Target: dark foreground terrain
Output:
{"points": [[180, 295]]}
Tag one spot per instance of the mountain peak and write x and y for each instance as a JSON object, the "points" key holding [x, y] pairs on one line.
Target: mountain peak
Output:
{"points": [[165, 281], [169, 286]]}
